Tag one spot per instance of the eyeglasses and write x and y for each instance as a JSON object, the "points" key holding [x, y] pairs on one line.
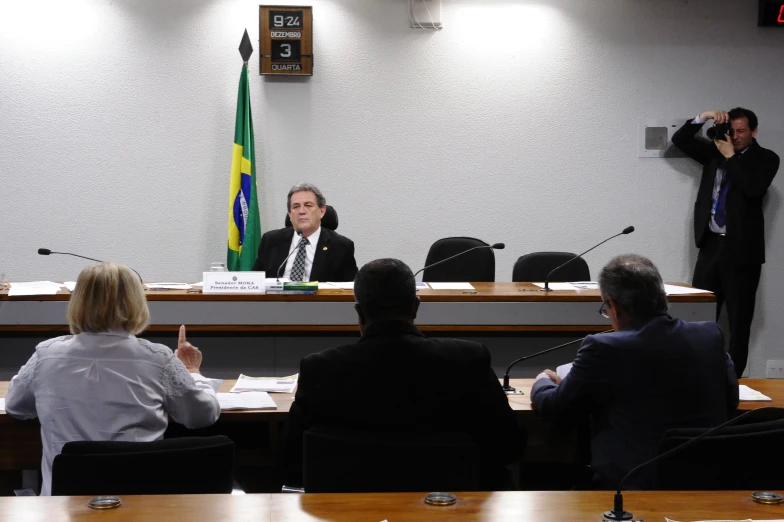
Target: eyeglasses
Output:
{"points": [[603, 309]]}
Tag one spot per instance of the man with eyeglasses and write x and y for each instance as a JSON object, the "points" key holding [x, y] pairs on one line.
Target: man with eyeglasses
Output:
{"points": [[652, 374]]}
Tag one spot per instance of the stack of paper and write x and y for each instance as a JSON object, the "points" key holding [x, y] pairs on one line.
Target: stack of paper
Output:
{"points": [[266, 384], [749, 394], [34, 288], [246, 401]]}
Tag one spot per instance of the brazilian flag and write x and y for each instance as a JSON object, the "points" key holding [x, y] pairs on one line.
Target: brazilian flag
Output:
{"points": [[244, 224]]}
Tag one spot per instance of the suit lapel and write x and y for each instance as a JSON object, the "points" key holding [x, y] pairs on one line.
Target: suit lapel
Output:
{"points": [[281, 251], [319, 268]]}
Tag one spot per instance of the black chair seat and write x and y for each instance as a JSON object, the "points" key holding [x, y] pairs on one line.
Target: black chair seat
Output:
{"points": [[346, 461], [187, 465], [747, 456], [478, 265], [535, 267]]}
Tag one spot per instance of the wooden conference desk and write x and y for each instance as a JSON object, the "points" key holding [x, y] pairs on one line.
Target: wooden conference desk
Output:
{"points": [[492, 307], [21, 447], [502, 506]]}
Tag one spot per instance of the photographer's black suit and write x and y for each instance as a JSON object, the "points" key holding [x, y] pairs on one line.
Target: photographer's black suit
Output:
{"points": [[334, 259], [730, 265]]}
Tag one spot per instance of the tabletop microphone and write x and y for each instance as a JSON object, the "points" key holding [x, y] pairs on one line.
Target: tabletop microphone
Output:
{"points": [[294, 249], [508, 388], [618, 513], [627, 230], [495, 246], [46, 252]]}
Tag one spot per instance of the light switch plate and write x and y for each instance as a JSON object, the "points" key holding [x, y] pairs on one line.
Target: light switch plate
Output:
{"points": [[656, 138]]}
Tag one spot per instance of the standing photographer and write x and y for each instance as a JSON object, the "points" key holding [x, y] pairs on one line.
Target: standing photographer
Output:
{"points": [[729, 227]]}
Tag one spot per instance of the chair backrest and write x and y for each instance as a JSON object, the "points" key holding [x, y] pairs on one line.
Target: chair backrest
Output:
{"points": [[187, 465], [337, 460], [478, 265], [330, 219], [536, 265], [748, 456]]}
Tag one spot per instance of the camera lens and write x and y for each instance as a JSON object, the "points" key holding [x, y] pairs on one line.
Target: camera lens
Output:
{"points": [[717, 132]]}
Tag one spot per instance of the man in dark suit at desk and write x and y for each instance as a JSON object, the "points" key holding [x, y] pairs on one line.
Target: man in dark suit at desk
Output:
{"points": [[395, 379], [651, 374], [729, 227], [322, 254]]}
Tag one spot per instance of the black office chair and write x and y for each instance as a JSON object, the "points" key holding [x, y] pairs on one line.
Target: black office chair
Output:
{"points": [[536, 266], [478, 265], [747, 456], [347, 461], [330, 219], [187, 465]]}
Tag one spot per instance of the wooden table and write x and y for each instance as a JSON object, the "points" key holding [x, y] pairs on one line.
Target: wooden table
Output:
{"points": [[491, 307], [506, 506], [21, 447]]}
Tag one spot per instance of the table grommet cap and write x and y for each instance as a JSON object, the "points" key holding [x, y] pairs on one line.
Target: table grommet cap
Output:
{"points": [[440, 498], [767, 497], [104, 502]]}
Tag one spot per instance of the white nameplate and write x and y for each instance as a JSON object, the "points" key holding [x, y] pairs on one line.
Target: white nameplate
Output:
{"points": [[233, 282]]}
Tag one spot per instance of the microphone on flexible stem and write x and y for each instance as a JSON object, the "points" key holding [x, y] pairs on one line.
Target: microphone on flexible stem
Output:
{"points": [[299, 233], [627, 230], [46, 252], [496, 246], [618, 513], [508, 388]]}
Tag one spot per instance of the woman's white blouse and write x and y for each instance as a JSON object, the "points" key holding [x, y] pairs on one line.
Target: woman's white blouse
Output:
{"points": [[106, 386]]}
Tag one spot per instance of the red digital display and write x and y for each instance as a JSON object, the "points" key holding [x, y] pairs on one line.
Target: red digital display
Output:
{"points": [[771, 13]]}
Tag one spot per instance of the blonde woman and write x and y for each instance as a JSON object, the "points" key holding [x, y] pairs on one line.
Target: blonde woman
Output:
{"points": [[102, 382]]}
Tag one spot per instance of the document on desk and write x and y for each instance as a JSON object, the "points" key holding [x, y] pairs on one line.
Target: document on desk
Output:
{"points": [[2, 404], [451, 286], [328, 285], [168, 286], [749, 394], [246, 401], [266, 384], [559, 286], [682, 290], [34, 288]]}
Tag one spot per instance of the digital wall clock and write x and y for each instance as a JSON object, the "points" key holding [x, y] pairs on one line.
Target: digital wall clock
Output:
{"points": [[286, 34]]}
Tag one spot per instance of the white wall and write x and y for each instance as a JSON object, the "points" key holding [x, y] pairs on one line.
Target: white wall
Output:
{"points": [[518, 122]]}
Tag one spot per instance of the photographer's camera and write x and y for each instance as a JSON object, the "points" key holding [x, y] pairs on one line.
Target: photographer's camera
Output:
{"points": [[717, 132]]}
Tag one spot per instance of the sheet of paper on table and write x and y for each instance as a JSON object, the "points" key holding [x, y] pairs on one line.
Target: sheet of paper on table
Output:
{"points": [[559, 286], [451, 286], [750, 394], [168, 286], [266, 384], [682, 290], [246, 401], [34, 288]]}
